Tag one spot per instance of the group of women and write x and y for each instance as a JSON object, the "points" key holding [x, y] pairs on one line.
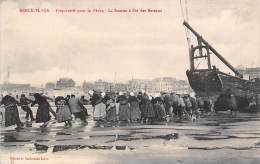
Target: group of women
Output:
{"points": [[11, 110], [107, 107], [133, 107], [122, 107]]}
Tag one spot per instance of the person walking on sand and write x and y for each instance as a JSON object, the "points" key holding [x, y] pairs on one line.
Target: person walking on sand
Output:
{"points": [[43, 111], [63, 111], [24, 103], [11, 112], [76, 109]]}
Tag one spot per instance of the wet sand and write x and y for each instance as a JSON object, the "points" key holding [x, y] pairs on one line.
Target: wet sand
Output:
{"points": [[217, 138]]}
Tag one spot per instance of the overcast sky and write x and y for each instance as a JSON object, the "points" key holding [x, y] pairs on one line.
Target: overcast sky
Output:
{"points": [[41, 47]]}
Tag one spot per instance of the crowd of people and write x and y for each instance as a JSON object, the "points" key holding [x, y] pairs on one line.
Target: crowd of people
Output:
{"points": [[108, 107]]}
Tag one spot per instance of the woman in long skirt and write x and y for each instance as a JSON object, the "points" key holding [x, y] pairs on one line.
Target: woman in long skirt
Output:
{"points": [[11, 112], [124, 108], [159, 109], [63, 111], [149, 113], [135, 113], [111, 110], [99, 113], [142, 103], [42, 114]]}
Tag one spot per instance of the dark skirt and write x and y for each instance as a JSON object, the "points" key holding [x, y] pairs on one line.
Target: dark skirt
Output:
{"points": [[124, 112], [160, 113], [111, 114], [135, 113], [64, 114], [12, 116], [42, 114], [148, 110]]}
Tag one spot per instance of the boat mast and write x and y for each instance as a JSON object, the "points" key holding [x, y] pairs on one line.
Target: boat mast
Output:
{"points": [[208, 47]]}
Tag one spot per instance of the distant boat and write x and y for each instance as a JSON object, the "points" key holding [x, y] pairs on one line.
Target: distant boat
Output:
{"points": [[211, 82]]}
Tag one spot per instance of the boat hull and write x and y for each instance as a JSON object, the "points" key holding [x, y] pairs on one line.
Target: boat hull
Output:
{"points": [[213, 84]]}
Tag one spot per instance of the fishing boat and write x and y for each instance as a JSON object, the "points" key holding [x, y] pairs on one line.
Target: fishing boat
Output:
{"points": [[213, 83]]}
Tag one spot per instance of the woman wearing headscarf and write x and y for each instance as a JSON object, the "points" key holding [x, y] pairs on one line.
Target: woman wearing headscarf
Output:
{"points": [[135, 113], [124, 108], [148, 110], [99, 112], [63, 111], [159, 109], [11, 112], [44, 109], [110, 108]]}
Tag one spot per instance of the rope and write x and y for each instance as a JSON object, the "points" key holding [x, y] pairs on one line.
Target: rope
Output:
{"points": [[186, 7], [185, 17], [182, 11]]}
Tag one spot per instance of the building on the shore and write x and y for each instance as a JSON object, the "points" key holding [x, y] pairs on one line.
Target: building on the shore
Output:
{"points": [[253, 72], [249, 73], [183, 86], [86, 86], [103, 86], [164, 84], [64, 83], [12, 87], [157, 85], [123, 87], [50, 85], [99, 85], [139, 84]]}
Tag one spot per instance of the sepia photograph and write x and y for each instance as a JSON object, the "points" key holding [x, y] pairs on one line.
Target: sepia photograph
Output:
{"points": [[129, 81]]}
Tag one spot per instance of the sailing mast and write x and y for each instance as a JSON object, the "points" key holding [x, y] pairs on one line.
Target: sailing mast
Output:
{"points": [[203, 44]]}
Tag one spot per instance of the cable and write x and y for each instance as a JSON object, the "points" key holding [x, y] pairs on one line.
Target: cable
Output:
{"points": [[183, 16], [186, 7]]}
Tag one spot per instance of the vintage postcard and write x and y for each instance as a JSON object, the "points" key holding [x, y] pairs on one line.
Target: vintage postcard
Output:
{"points": [[129, 81]]}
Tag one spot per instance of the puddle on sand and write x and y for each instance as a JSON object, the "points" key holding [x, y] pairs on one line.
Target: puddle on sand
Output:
{"points": [[211, 124], [62, 133], [120, 147], [41, 148], [218, 137], [42, 140], [100, 147], [57, 148], [166, 137], [226, 147], [212, 137], [8, 138]]}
